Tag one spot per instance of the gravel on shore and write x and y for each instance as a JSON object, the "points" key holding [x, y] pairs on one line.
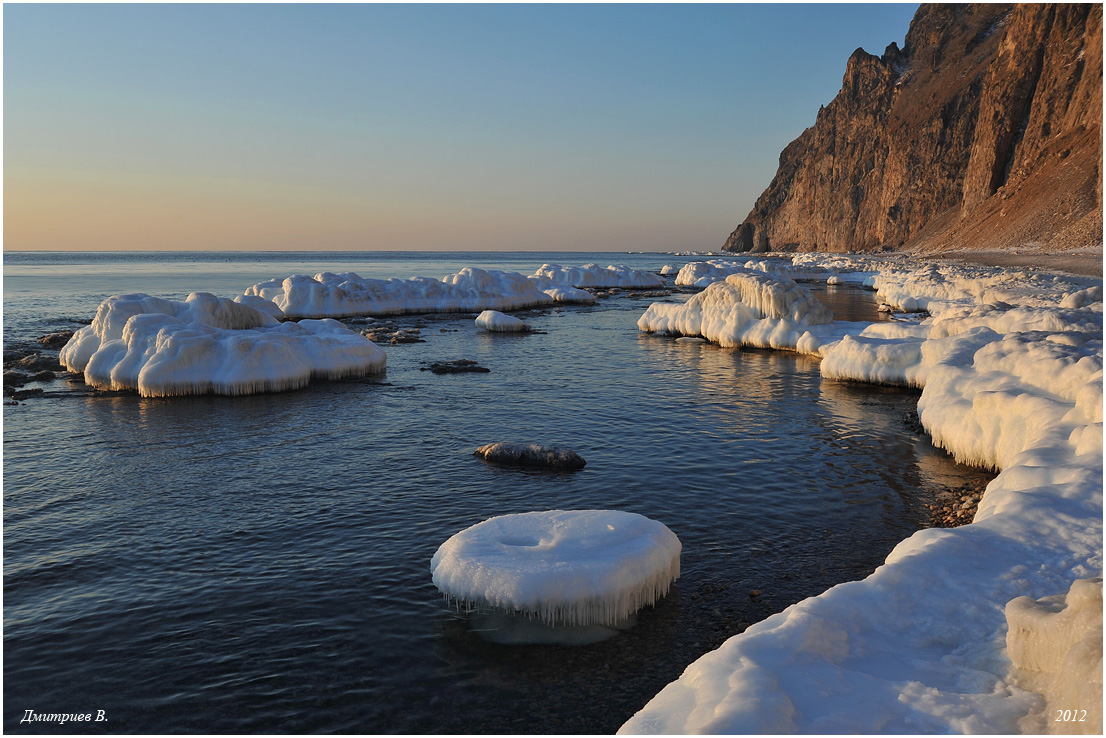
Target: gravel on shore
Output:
{"points": [[1086, 263]]}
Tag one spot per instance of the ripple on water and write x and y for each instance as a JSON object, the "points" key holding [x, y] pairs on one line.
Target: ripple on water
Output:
{"points": [[262, 563]]}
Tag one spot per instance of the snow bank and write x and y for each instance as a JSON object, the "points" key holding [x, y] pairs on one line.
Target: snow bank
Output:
{"points": [[748, 309], [493, 320], [593, 275], [1055, 644], [339, 295], [569, 567], [209, 344], [1010, 365]]}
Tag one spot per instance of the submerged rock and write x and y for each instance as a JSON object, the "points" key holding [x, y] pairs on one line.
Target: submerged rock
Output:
{"points": [[14, 379], [531, 454], [458, 366], [38, 362], [56, 340]]}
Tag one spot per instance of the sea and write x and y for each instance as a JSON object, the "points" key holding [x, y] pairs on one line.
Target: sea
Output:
{"points": [[260, 564]]}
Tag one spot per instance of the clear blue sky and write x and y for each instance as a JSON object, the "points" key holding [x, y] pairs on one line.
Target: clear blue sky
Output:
{"points": [[507, 127]]}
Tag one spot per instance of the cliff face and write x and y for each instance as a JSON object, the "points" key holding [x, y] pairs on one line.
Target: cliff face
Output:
{"points": [[984, 131]]}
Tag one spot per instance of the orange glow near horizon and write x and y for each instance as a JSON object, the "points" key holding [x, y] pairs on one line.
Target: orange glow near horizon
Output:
{"points": [[51, 210]]}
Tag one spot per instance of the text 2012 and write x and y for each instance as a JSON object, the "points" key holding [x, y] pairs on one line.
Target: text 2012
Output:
{"points": [[1071, 716]]}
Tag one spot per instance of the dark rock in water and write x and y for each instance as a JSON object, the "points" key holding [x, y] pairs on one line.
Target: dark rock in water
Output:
{"points": [[531, 454], [24, 394], [13, 355], [56, 340], [38, 362], [15, 379], [913, 423], [389, 333], [44, 376], [454, 367]]}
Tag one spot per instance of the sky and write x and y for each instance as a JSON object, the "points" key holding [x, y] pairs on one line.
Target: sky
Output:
{"points": [[394, 127]]}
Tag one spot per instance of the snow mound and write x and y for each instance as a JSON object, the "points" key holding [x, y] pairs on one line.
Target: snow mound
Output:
{"points": [[532, 454], [747, 309], [593, 275], [567, 567], [704, 273], [339, 295], [493, 320], [260, 303], [1055, 645], [208, 344], [668, 269], [570, 295], [1010, 366]]}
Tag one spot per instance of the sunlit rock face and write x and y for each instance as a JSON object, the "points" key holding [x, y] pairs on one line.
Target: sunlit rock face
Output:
{"points": [[984, 131]]}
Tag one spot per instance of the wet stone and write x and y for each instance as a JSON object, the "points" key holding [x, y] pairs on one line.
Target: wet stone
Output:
{"points": [[39, 362], [55, 340], [457, 366], [15, 379]]}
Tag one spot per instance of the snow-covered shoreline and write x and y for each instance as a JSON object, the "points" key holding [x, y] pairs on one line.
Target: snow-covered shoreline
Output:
{"points": [[1011, 369], [330, 295]]}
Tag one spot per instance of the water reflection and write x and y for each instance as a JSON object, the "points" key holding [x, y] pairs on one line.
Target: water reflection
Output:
{"points": [[272, 552]]}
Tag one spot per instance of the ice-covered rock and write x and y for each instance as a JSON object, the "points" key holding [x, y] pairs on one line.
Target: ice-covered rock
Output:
{"points": [[1083, 298], [593, 275], [1055, 646], [570, 295], [493, 320], [340, 295], [260, 303], [209, 344], [566, 567], [1010, 366], [531, 454], [747, 309], [704, 273], [668, 269]]}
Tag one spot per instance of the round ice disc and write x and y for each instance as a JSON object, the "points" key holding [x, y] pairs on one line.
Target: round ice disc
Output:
{"points": [[572, 567]]}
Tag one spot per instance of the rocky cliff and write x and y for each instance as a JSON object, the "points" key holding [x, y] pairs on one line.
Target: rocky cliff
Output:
{"points": [[984, 131]]}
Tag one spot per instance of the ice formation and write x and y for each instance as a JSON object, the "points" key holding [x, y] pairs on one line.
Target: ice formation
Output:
{"points": [[260, 303], [593, 275], [570, 295], [209, 344], [1010, 366], [493, 320], [531, 454], [705, 273], [1055, 645], [332, 295], [566, 567], [748, 308]]}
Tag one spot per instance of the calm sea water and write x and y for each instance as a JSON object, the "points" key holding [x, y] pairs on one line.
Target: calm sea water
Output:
{"points": [[261, 564]]}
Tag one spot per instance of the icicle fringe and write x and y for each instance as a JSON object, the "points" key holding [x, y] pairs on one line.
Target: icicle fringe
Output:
{"points": [[591, 611]]}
